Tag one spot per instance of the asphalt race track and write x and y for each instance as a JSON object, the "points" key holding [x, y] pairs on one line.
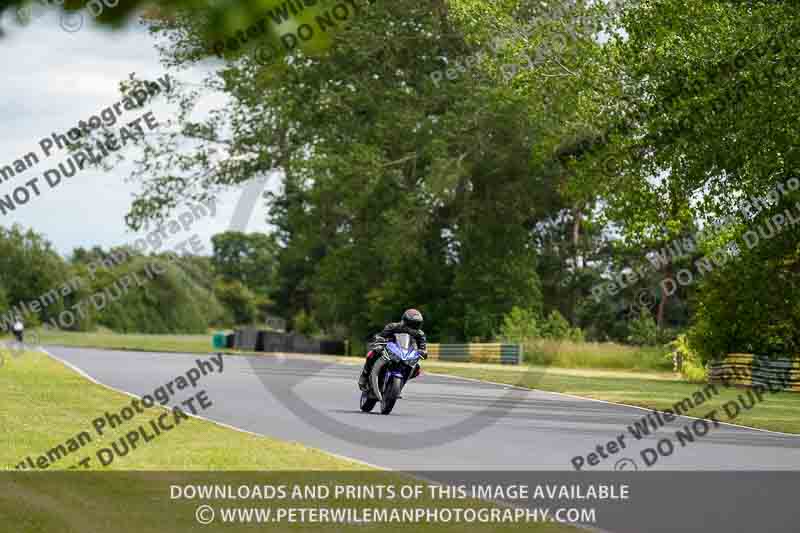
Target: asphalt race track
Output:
{"points": [[495, 428]]}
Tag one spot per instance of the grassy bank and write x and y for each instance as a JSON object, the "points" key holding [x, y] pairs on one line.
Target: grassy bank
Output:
{"points": [[147, 343], [44, 404], [603, 355]]}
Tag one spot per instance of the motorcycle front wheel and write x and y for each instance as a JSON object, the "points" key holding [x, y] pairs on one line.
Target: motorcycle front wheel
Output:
{"points": [[390, 395], [367, 403]]}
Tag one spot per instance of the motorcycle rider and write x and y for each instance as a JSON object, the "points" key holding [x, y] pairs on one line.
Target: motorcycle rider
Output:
{"points": [[410, 323], [18, 328]]}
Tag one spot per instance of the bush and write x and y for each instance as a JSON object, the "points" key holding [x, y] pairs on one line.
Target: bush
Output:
{"points": [[523, 325], [642, 330], [556, 327], [519, 325], [169, 302], [751, 303], [238, 299], [691, 366], [304, 324]]}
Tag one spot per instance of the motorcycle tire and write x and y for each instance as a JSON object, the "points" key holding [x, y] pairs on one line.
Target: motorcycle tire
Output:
{"points": [[367, 403], [393, 389]]}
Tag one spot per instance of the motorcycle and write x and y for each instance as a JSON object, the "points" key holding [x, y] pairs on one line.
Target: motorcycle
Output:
{"points": [[397, 364]]}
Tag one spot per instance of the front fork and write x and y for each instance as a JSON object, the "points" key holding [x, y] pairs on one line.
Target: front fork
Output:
{"points": [[373, 377]]}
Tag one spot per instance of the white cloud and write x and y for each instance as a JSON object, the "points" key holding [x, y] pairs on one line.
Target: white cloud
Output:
{"points": [[53, 79]]}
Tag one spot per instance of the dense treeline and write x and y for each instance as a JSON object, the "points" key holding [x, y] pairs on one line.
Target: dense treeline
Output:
{"points": [[126, 291], [612, 171]]}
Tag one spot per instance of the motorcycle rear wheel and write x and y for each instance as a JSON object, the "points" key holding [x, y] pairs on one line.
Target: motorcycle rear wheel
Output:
{"points": [[391, 394]]}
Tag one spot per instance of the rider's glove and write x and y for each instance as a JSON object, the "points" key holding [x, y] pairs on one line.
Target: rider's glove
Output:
{"points": [[423, 354]]}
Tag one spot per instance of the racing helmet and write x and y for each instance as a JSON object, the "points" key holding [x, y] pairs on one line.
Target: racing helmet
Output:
{"points": [[412, 319]]}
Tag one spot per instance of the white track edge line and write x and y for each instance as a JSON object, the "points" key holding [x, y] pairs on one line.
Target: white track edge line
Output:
{"points": [[222, 424]]}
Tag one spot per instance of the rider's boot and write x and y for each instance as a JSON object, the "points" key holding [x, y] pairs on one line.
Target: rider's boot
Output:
{"points": [[363, 379]]}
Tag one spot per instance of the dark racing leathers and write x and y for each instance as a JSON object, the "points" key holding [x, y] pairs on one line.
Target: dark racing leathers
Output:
{"points": [[388, 333]]}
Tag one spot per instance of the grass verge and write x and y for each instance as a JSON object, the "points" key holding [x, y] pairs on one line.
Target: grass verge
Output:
{"points": [[44, 404]]}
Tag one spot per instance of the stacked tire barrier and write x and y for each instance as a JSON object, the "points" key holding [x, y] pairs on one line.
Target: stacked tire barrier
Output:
{"points": [[253, 340], [507, 354], [747, 370]]}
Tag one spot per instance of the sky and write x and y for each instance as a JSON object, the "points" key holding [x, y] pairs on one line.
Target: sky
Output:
{"points": [[54, 78]]}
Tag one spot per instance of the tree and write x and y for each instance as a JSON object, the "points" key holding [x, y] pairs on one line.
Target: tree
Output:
{"points": [[29, 268], [248, 259], [238, 299]]}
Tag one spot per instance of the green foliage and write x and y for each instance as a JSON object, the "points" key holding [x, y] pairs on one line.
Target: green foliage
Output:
{"points": [[246, 258], [239, 301], [691, 365], [643, 330], [522, 325], [29, 267], [483, 200], [167, 303], [519, 325], [305, 324], [751, 304], [556, 327], [164, 294]]}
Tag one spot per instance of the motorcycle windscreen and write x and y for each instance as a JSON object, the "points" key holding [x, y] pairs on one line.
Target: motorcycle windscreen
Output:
{"points": [[403, 340]]}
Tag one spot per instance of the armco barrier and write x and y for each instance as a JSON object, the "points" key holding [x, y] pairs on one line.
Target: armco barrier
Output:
{"points": [[508, 354], [747, 370]]}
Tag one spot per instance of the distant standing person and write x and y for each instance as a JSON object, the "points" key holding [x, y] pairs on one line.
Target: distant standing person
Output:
{"points": [[19, 329]]}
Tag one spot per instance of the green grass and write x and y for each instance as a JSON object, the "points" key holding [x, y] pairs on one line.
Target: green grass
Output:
{"points": [[608, 355], [135, 342], [42, 404]]}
